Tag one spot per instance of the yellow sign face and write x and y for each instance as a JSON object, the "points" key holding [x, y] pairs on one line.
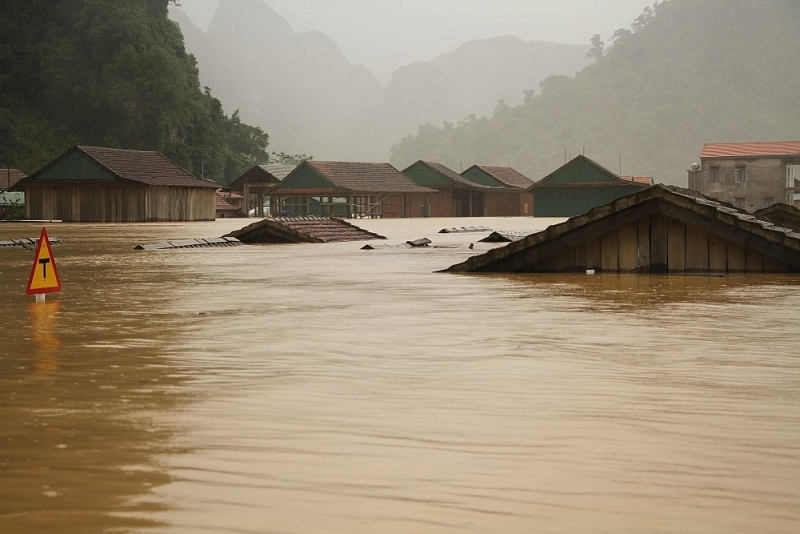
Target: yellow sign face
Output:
{"points": [[44, 274]]}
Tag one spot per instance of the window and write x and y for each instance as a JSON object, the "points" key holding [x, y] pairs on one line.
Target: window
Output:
{"points": [[714, 173], [739, 203], [769, 201], [740, 175], [792, 174]]}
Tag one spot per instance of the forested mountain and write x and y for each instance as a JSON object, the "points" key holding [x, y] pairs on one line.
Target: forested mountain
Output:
{"points": [[687, 72], [110, 73], [311, 99]]}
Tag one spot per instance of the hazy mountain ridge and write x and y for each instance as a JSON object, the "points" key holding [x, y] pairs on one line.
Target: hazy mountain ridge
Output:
{"points": [[301, 89], [685, 74]]}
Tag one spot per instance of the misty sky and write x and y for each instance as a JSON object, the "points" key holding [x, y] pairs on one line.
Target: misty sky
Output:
{"points": [[384, 35]]}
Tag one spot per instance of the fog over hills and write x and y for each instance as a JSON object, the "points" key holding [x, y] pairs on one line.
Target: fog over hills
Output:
{"points": [[311, 99]]}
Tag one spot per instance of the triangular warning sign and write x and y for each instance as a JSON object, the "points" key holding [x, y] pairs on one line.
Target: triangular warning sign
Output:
{"points": [[44, 273]]}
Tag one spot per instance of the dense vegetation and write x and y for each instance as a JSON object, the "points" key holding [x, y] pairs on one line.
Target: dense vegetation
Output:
{"points": [[111, 73], [687, 72]]}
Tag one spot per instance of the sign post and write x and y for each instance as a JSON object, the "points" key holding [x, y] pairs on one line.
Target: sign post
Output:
{"points": [[44, 273]]}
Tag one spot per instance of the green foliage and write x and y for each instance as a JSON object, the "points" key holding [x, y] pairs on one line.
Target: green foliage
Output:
{"points": [[111, 73], [687, 72]]}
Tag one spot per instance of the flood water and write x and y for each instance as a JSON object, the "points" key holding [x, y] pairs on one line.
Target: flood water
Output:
{"points": [[326, 389]]}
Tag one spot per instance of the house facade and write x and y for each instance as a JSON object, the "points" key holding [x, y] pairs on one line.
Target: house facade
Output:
{"points": [[578, 186], [454, 196], [346, 190], [95, 184], [750, 176], [514, 200]]}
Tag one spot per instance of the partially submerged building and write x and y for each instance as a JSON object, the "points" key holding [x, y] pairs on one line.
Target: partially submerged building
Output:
{"points": [[462, 196], [348, 190], [256, 183], [750, 176], [657, 230], [514, 199], [578, 186], [95, 184]]}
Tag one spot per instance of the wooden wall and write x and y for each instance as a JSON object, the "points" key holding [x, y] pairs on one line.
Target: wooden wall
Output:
{"points": [[115, 202], [660, 244]]}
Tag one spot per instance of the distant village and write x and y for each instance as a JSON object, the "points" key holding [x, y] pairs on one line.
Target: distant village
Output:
{"points": [[738, 213]]}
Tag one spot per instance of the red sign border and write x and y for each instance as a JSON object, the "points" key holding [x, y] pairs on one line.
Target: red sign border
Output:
{"points": [[43, 240]]}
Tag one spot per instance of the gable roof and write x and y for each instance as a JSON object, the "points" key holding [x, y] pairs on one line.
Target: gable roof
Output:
{"points": [[311, 229], [578, 163], [447, 174], [9, 177], [505, 175], [259, 175], [730, 150], [644, 180], [681, 204], [136, 166], [358, 177]]}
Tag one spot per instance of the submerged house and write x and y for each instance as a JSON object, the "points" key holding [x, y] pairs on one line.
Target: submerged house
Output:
{"points": [[95, 184], [455, 196], [750, 176], [578, 186], [347, 190], [255, 184], [657, 230], [514, 200]]}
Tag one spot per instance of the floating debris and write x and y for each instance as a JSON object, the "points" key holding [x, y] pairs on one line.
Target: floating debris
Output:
{"points": [[504, 237], [193, 243], [464, 230], [28, 242]]}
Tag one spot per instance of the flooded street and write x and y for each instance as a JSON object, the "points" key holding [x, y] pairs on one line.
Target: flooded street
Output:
{"points": [[322, 388]]}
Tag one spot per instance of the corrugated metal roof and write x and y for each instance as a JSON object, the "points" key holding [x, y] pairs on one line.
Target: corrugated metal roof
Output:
{"points": [[278, 170], [730, 150], [366, 177], [507, 175]]}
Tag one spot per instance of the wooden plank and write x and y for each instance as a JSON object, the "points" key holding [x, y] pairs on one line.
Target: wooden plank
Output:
{"points": [[581, 256], [676, 246], [754, 261], [736, 255], [609, 253], [643, 226], [659, 243], [717, 254], [696, 250], [775, 265], [629, 247], [594, 257]]}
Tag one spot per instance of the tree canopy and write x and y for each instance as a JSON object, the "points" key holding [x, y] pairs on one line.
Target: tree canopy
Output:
{"points": [[111, 73], [687, 72]]}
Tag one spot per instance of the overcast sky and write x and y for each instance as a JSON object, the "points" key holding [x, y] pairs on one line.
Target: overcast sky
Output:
{"points": [[386, 34]]}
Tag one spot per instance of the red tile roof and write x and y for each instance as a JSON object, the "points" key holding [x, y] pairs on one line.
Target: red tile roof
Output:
{"points": [[507, 175], [9, 177], [223, 204], [366, 177], [646, 180], [723, 150]]}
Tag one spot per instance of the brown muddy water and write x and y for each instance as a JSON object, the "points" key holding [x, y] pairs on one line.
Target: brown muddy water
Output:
{"points": [[326, 389]]}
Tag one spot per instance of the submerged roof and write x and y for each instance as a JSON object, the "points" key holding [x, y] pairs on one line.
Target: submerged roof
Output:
{"points": [[302, 230], [505, 175], [782, 214], [729, 150], [135, 166], [681, 204]]}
